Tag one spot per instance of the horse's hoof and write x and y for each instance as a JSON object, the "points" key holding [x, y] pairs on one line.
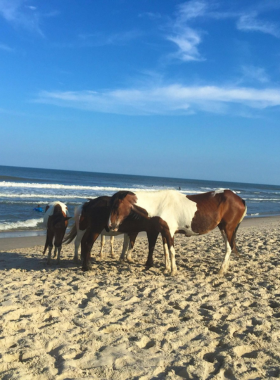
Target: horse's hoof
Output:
{"points": [[149, 264], [129, 260], [87, 267], [173, 272]]}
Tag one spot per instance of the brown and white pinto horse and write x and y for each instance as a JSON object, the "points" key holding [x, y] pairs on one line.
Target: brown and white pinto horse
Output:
{"points": [[177, 213], [56, 221]]}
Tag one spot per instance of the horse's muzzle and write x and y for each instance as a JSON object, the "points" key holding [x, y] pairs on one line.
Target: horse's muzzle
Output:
{"points": [[113, 227]]}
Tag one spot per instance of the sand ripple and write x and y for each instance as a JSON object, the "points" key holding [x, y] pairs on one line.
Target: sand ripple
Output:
{"points": [[123, 322]]}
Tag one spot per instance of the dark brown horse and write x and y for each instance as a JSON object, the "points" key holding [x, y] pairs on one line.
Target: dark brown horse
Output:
{"points": [[93, 220], [56, 221], [177, 213]]}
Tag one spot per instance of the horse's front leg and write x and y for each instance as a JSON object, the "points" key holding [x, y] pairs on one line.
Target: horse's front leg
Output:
{"points": [[102, 256], [152, 238], [125, 247], [131, 241], [170, 244], [112, 239]]}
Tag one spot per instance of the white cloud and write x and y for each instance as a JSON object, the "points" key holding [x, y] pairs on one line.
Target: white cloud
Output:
{"points": [[6, 48], [185, 37], [187, 43], [98, 39], [14, 12], [192, 10], [250, 23], [256, 74], [172, 99]]}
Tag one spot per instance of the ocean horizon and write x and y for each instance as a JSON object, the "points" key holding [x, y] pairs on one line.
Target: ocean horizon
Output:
{"points": [[22, 189]]}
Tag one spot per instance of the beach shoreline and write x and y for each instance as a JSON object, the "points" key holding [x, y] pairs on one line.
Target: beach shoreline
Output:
{"points": [[38, 236], [121, 321]]}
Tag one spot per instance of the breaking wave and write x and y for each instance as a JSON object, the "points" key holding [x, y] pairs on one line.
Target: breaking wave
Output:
{"points": [[26, 224]]}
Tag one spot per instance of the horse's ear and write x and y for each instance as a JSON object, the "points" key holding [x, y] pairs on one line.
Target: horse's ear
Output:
{"points": [[67, 217]]}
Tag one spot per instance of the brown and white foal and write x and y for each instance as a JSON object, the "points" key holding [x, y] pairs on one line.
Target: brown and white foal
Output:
{"points": [[177, 213], [56, 221]]}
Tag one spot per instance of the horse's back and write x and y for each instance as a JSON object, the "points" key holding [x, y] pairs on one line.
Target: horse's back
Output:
{"points": [[54, 208]]}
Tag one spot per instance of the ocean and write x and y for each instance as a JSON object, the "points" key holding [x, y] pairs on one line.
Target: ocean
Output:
{"points": [[22, 189]]}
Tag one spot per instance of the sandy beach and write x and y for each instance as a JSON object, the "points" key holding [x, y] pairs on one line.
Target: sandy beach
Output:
{"points": [[121, 321]]}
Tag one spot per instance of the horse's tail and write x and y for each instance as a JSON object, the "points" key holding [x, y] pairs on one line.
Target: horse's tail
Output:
{"points": [[72, 234], [232, 243], [46, 246], [245, 211]]}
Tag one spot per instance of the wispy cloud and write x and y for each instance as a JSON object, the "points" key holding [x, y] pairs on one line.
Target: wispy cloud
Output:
{"points": [[191, 10], [21, 15], [99, 39], [172, 99], [187, 41], [255, 74], [6, 48], [187, 37], [250, 23], [183, 35]]}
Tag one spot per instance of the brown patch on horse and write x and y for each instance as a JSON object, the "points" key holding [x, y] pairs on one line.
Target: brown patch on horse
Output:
{"points": [[207, 216]]}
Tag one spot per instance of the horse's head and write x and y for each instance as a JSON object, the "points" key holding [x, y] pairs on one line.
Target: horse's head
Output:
{"points": [[121, 205]]}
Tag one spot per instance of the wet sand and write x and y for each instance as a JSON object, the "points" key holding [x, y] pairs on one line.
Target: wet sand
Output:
{"points": [[121, 321]]}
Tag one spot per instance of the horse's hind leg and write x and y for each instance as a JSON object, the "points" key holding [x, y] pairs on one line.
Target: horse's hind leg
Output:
{"points": [[227, 238], [58, 254], [233, 242], [49, 244], [166, 256], [78, 240]]}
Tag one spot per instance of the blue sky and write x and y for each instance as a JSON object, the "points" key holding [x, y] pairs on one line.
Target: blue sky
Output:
{"points": [[166, 88]]}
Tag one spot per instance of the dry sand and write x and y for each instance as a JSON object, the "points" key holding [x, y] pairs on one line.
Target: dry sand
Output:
{"points": [[123, 322]]}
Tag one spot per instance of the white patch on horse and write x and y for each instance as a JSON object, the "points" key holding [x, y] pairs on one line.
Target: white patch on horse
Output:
{"points": [[172, 206], [50, 211], [173, 261], [166, 256], [219, 191]]}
